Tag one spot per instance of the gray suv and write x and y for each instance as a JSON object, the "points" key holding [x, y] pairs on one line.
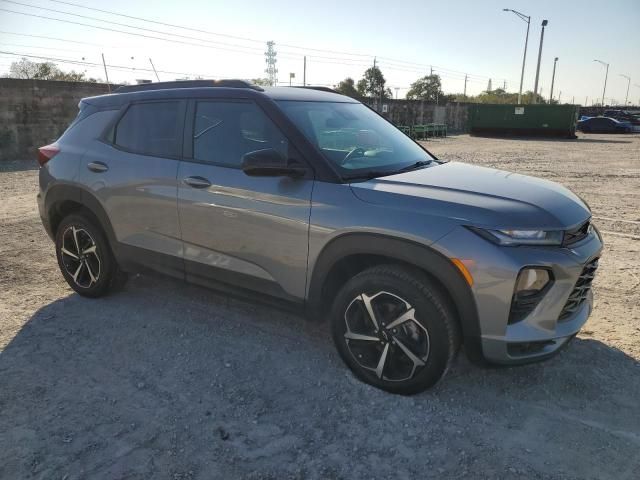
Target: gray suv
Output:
{"points": [[312, 198]]}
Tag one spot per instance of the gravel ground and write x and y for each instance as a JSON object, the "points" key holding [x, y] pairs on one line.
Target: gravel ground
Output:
{"points": [[170, 381]]}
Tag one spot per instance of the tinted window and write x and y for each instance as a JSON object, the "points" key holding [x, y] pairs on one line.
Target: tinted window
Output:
{"points": [[151, 129], [225, 131]]}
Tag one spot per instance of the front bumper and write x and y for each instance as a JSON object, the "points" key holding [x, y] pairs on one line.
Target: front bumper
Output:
{"points": [[495, 269]]}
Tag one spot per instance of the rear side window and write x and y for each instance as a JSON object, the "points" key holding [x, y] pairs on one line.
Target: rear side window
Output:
{"points": [[225, 131], [151, 129]]}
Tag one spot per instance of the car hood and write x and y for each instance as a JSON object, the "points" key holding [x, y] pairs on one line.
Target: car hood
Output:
{"points": [[477, 196]]}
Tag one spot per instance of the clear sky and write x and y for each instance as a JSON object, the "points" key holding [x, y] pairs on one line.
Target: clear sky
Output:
{"points": [[341, 39]]}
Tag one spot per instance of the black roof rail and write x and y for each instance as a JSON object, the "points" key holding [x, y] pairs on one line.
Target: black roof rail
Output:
{"points": [[322, 89], [187, 84]]}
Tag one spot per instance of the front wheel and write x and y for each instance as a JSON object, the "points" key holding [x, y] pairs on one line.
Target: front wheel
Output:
{"points": [[394, 329], [85, 258]]}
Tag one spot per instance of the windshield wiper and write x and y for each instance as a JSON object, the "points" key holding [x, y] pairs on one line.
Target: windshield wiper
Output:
{"points": [[415, 166], [368, 175]]}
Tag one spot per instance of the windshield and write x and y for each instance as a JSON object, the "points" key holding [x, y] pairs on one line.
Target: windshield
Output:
{"points": [[355, 139]]}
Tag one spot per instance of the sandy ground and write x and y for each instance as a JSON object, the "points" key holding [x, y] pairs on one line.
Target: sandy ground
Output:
{"points": [[170, 381]]}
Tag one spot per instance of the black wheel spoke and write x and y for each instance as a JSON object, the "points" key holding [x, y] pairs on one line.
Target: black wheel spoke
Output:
{"points": [[384, 336], [80, 256]]}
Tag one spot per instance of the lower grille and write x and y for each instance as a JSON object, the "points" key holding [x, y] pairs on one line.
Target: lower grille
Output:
{"points": [[580, 291]]}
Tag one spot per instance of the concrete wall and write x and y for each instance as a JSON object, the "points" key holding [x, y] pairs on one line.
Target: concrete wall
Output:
{"points": [[34, 113]]}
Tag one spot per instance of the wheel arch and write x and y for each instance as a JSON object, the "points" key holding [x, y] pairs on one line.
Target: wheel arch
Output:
{"points": [[62, 200], [348, 254]]}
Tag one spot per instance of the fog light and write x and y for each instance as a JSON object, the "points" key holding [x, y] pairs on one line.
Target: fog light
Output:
{"points": [[531, 281], [531, 285]]}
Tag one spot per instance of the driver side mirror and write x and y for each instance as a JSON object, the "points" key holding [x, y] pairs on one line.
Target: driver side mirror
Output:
{"points": [[270, 163]]}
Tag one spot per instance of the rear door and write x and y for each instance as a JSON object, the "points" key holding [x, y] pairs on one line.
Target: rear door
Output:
{"points": [[132, 171], [247, 231]]}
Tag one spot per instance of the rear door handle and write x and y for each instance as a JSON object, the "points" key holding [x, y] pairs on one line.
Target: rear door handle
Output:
{"points": [[97, 167], [197, 182]]}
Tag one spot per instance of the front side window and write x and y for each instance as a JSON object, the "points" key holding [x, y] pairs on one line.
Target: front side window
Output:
{"points": [[151, 129], [354, 138], [225, 131]]}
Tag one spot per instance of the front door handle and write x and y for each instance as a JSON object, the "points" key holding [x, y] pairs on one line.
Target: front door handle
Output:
{"points": [[197, 182], [97, 167]]}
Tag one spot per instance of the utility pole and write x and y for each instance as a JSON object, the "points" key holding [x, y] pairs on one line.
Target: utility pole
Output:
{"points": [[605, 78], [154, 69], [527, 19], [465, 86], [626, 99], [304, 72], [431, 70], [559, 96], [573, 100], [504, 85], [104, 64], [270, 59], [553, 78], [535, 87], [586, 101]]}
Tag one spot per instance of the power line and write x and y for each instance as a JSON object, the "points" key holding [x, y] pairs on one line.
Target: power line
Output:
{"points": [[391, 63], [116, 67], [118, 24], [122, 31], [109, 12]]}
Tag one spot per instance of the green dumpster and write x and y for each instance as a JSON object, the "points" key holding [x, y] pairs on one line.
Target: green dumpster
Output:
{"points": [[544, 120]]}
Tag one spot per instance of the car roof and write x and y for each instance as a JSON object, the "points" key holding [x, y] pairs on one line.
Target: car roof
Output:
{"points": [[214, 89]]}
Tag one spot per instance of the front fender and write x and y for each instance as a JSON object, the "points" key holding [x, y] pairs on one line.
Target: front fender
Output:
{"points": [[423, 257]]}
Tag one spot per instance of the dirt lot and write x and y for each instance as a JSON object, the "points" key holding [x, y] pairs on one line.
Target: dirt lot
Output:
{"points": [[166, 380]]}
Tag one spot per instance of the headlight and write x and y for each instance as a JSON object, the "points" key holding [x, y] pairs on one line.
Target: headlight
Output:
{"points": [[514, 238]]}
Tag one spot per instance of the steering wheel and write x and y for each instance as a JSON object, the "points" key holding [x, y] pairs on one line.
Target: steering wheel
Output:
{"points": [[356, 152]]}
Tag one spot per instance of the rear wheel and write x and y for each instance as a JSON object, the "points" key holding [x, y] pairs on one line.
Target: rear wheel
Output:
{"points": [[392, 326], [85, 258]]}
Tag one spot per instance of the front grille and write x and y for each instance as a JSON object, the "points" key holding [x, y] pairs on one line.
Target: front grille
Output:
{"points": [[580, 291], [576, 234]]}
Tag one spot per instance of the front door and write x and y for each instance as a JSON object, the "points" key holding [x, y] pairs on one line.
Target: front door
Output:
{"points": [[247, 231]]}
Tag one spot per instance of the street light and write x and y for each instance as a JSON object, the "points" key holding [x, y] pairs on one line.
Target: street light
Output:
{"points": [[553, 78], [628, 83], [527, 19], [535, 87], [605, 78]]}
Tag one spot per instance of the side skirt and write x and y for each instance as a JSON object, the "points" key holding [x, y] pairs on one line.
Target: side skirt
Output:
{"points": [[238, 285]]}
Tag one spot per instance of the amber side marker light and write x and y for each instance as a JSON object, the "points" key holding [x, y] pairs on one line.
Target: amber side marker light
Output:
{"points": [[463, 269]]}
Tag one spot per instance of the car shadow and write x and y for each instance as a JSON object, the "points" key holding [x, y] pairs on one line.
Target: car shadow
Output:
{"points": [[166, 377]]}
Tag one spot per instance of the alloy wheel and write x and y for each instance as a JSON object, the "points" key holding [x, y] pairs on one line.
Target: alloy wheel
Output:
{"points": [[79, 255], [384, 337]]}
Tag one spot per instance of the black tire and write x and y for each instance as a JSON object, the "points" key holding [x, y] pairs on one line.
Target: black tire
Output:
{"points": [[432, 334], [96, 272]]}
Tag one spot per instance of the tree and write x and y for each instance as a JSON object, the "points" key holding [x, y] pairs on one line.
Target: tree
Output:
{"points": [[347, 87], [427, 88], [45, 71], [372, 84]]}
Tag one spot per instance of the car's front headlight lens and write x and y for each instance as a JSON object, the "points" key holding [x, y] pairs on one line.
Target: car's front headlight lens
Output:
{"points": [[521, 237]]}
